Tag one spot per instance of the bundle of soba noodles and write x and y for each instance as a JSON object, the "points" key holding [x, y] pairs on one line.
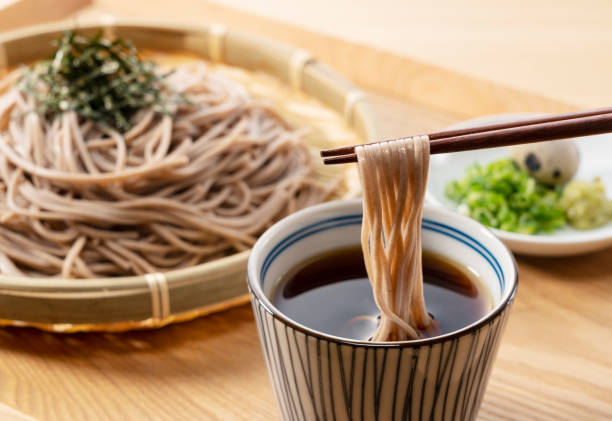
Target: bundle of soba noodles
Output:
{"points": [[108, 168], [393, 177]]}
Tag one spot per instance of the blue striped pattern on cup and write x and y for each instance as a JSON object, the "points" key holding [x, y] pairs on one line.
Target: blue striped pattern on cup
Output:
{"points": [[317, 379]]}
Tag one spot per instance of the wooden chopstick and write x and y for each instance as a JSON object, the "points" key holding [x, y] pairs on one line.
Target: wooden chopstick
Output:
{"points": [[554, 127], [343, 150]]}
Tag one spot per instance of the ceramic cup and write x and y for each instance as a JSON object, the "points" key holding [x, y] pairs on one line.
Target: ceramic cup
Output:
{"points": [[316, 376]]}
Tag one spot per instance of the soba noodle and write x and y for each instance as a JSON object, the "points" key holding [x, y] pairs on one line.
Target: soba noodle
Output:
{"points": [[393, 177], [79, 199]]}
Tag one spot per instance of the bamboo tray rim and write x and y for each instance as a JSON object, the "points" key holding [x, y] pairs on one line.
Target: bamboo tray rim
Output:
{"points": [[126, 284]]}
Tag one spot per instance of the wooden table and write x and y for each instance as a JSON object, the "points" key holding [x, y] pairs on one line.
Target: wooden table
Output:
{"points": [[555, 360]]}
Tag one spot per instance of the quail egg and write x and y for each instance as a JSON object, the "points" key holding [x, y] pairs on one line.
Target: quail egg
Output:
{"points": [[552, 163]]}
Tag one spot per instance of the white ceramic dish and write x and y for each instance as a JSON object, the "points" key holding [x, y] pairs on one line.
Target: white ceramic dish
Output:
{"points": [[595, 152]]}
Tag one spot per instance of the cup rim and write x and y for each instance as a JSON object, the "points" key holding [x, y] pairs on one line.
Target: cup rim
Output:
{"points": [[267, 236]]}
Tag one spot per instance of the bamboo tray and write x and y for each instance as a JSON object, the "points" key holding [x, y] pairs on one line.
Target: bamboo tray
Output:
{"points": [[154, 300]]}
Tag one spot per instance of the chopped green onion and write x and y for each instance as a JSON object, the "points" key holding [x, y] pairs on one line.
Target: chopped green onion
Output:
{"points": [[503, 196]]}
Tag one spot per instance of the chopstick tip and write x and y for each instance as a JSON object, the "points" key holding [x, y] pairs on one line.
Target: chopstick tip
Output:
{"points": [[340, 159]]}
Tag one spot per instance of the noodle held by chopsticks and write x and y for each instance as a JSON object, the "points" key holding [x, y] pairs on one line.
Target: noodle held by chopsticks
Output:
{"points": [[83, 199], [393, 177]]}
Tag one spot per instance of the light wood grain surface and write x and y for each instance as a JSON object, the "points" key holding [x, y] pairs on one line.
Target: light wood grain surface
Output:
{"points": [[554, 362], [388, 72], [543, 46], [17, 13]]}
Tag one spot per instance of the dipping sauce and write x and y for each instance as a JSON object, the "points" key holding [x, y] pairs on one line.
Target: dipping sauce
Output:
{"points": [[331, 293]]}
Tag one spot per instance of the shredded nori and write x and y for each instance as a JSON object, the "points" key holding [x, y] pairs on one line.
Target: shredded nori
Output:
{"points": [[100, 79]]}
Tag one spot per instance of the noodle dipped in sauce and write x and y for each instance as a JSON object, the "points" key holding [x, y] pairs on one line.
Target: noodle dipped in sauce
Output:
{"points": [[393, 178], [182, 182], [378, 292]]}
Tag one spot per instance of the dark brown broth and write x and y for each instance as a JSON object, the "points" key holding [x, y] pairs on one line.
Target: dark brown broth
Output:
{"points": [[330, 293]]}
